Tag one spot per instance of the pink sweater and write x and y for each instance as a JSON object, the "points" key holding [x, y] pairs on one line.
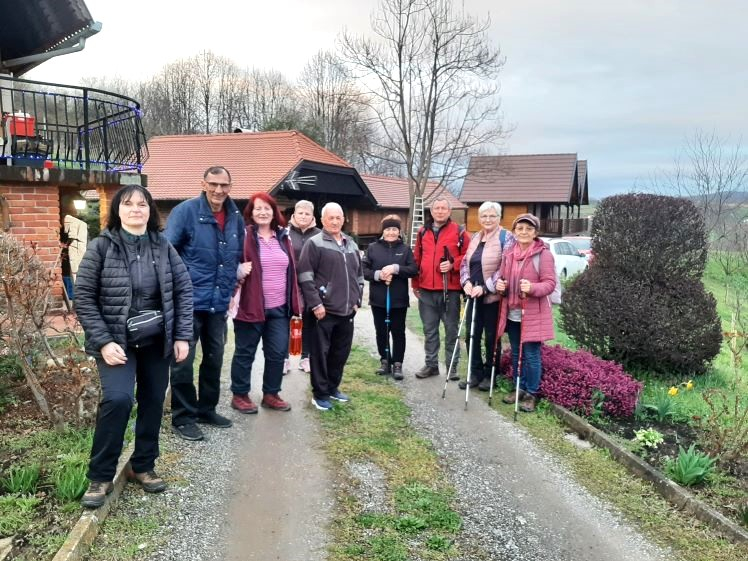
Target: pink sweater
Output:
{"points": [[537, 321]]}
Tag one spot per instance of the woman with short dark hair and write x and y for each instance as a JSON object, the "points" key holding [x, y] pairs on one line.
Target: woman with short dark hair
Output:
{"points": [[388, 264], [134, 301]]}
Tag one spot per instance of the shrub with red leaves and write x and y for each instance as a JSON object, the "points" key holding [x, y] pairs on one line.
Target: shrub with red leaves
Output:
{"points": [[571, 378]]}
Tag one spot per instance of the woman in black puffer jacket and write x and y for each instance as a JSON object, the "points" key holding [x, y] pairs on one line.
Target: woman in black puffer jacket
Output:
{"points": [[388, 264], [134, 301]]}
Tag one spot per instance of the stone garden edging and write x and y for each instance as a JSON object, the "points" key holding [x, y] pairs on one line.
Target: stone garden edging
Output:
{"points": [[83, 533], [670, 490]]}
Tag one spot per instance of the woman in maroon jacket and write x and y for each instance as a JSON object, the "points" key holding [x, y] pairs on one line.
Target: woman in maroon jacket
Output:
{"points": [[528, 278], [269, 297]]}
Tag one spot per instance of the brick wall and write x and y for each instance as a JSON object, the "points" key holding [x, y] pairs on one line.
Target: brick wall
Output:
{"points": [[35, 218]]}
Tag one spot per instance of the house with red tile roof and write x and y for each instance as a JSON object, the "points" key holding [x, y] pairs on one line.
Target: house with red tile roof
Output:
{"points": [[392, 195], [288, 165], [551, 186]]}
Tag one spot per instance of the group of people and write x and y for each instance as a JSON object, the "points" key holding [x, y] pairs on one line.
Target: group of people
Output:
{"points": [[146, 298]]}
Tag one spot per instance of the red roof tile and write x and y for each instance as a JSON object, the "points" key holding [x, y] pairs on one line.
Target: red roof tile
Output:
{"points": [[258, 161], [392, 192], [521, 178]]}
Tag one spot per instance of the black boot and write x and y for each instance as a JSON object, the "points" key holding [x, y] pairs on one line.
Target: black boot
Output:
{"points": [[384, 368], [397, 371]]}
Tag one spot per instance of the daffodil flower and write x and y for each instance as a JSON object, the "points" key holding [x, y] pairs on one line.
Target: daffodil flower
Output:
{"points": [[673, 391], [689, 385]]}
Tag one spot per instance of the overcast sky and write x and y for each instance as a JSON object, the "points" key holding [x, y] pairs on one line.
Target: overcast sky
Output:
{"points": [[622, 84]]}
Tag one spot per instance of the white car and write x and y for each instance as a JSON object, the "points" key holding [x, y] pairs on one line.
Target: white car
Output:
{"points": [[569, 261]]}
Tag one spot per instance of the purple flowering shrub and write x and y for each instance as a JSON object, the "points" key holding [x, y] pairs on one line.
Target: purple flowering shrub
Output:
{"points": [[576, 379]]}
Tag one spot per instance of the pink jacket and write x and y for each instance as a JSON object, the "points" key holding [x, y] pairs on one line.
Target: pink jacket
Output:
{"points": [[537, 321]]}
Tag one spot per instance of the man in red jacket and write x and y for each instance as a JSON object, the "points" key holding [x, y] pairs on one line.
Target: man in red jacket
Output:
{"points": [[440, 246]]}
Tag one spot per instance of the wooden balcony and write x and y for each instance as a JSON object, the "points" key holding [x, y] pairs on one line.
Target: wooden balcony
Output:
{"points": [[556, 227]]}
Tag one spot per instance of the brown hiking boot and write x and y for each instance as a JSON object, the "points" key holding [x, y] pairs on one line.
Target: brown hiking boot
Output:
{"points": [[427, 371], [96, 494], [397, 371], [453, 375], [528, 402], [243, 404], [148, 480], [510, 397], [384, 367], [273, 401]]}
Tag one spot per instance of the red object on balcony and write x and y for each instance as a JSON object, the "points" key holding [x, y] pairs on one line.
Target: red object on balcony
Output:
{"points": [[20, 124]]}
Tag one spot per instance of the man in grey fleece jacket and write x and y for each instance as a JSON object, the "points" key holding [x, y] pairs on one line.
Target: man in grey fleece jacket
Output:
{"points": [[332, 281]]}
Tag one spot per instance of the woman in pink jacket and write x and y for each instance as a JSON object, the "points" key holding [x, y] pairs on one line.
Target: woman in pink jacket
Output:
{"points": [[527, 279]]}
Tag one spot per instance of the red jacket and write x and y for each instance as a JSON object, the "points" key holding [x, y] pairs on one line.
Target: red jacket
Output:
{"points": [[429, 251]]}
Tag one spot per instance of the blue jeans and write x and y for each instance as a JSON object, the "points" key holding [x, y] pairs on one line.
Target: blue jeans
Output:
{"points": [[531, 366], [274, 334], [145, 375]]}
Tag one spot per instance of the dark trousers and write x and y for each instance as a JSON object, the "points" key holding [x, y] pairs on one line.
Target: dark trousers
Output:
{"points": [[187, 403], [144, 376], [397, 332], [274, 334], [307, 320], [486, 316], [330, 347]]}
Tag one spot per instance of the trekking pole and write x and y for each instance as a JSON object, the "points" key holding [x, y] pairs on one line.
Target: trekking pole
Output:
{"points": [[470, 354], [444, 280], [388, 351], [454, 352], [519, 360], [496, 348]]}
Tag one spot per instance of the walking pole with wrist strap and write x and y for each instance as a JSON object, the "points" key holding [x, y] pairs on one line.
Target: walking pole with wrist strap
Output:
{"points": [[470, 353], [388, 350], [522, 300], [454, 351], [496, 349]]}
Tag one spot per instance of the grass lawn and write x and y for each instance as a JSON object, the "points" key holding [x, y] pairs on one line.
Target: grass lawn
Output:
{"points": [[417, 521]]}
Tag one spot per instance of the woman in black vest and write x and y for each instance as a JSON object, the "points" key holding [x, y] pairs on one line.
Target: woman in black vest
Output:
{"points": [[134, 301], [388, 265]]}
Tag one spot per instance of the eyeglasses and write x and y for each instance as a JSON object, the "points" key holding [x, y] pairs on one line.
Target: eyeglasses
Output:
{"points": [[488, 216], [213, 186]]}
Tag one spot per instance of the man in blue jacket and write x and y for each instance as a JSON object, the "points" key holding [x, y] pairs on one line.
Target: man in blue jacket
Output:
{"points": [[208, 233]]}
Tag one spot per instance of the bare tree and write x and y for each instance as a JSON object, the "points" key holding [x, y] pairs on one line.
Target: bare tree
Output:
{"points": [[335, 106], [169, 101], [710, 173], [432, 76]]}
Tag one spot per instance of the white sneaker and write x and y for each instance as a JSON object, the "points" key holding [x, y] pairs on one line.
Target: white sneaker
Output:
{"points": [[286, 366], [304, 365]]}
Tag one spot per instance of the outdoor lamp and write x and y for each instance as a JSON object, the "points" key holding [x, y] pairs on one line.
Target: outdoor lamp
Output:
{"points": [[79, 203]]}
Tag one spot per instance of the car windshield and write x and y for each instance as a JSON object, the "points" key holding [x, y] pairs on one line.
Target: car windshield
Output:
{"points": [[580, 243]]}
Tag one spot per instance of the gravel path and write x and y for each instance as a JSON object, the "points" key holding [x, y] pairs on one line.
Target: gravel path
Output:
{"points": [[517, 501], [260, 490]]}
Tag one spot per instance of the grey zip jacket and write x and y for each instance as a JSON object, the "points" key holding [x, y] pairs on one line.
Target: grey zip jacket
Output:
{"points": [[331, 274]]}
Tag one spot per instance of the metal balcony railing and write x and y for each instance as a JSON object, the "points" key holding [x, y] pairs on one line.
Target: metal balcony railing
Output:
{"points": [[53, 125]]}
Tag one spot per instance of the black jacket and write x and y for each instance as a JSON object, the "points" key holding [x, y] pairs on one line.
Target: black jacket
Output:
{"points": [[299, 238], [103, 292], [380, 254]]}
